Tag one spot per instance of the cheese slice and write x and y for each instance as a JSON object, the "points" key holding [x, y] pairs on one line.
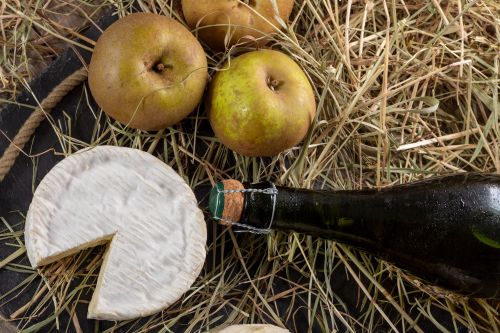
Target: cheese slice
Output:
{"points": [[254, 328], [137, 204]]}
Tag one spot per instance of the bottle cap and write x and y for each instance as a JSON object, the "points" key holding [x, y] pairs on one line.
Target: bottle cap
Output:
{"points": [[226, 201]]}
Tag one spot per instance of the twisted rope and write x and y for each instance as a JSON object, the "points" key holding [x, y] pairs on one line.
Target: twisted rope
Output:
{"points": [[37, 116]]}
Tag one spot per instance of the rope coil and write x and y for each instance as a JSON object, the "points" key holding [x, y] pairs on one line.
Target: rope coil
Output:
{"points": [[36, 117]]}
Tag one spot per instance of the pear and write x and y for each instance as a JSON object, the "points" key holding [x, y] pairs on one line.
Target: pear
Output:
{"points": [[261, 103], [235, 21], [254, 328], [147, 71]]}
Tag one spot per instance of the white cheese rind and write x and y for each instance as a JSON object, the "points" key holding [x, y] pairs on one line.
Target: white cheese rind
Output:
{"points": [[254, 328], [143, 207]]}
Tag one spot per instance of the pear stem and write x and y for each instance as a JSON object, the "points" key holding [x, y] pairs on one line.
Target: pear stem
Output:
{"points": [[273, 84], [250, 3], [159, 67]]}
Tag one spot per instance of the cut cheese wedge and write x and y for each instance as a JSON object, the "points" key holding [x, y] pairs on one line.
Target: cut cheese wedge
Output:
{"points": [[137, 203], [254, 328]]}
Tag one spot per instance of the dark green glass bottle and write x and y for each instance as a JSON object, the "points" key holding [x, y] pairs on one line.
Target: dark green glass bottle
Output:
{"points": [[445, 230]]}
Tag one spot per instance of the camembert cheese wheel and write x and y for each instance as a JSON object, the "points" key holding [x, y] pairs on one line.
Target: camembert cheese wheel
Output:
{"points": [[136, 203]]}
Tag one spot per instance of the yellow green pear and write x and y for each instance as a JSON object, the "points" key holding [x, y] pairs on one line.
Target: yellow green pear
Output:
{"points": [[261, 103]]}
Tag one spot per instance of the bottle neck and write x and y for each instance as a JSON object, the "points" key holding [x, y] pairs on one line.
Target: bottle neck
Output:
{"points": [[326, 214]]}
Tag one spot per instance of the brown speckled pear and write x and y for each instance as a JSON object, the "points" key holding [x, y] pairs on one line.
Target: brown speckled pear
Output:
{"points": [[147, 71], [261, 104], [255, 18]]}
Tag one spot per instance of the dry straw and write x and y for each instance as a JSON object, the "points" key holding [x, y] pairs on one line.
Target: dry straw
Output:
{"points": [[405, 90]]}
